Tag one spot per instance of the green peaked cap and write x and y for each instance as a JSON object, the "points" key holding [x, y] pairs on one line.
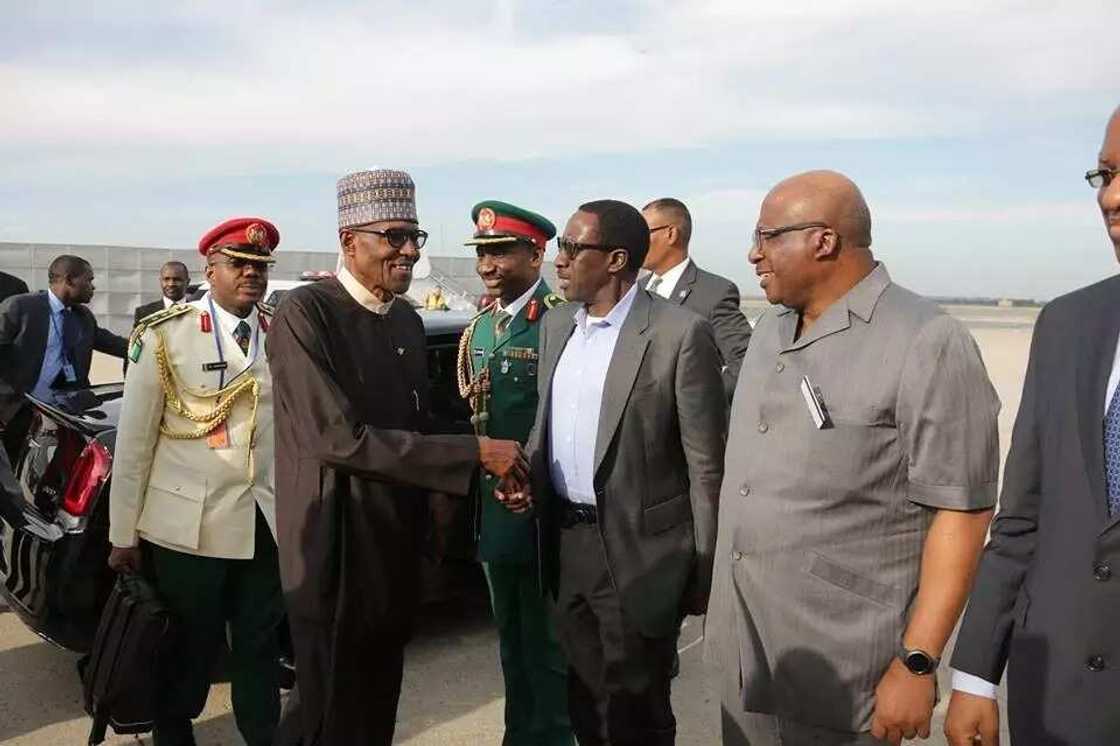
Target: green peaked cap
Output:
{"points": [[500, 222]]}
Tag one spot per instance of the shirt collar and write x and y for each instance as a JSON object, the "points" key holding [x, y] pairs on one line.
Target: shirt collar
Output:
{"points": [[227, 320], [57, 306], [515, 308], [168, 303], [670, 278], [616, 315], [363, 296], [862, 298]]}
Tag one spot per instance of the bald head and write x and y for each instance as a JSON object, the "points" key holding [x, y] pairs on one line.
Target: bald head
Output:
{"points": [[829, 197], [1108, 194]]}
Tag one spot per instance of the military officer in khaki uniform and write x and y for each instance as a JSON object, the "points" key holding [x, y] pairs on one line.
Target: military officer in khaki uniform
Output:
{"points": [[192, 502], [498, 364]]}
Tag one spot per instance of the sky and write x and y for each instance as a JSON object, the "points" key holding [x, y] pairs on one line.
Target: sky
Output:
{"points": [[968, 125]]}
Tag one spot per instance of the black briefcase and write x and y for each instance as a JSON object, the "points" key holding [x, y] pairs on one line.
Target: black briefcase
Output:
{"points": [[120, 676]]}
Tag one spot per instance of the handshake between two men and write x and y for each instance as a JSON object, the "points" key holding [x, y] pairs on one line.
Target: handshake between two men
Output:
{"points": [[506, 460]]}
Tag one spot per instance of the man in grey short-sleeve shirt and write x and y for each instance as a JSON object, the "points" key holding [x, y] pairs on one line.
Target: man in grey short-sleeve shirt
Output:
{"points": [[860, 472]]}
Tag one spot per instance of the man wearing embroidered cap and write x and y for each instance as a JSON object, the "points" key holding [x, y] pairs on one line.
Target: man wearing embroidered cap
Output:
{"points": [[358, 454], [192, 497], [498, 361]]}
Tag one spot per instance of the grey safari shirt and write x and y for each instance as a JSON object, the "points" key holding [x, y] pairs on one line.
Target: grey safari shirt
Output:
{"points": [[821, 530]]}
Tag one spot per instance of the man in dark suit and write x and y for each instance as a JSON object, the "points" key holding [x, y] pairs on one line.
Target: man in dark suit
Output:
{"points": [[674, 276], [626, 459], [47, 340], [1046, 602], [173, 280], [11, 285]]}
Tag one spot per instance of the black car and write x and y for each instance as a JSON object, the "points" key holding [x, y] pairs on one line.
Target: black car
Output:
{"points": [[54, 506]]}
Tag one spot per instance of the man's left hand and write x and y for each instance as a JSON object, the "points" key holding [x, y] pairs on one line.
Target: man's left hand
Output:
{"points": [[903, 704]]}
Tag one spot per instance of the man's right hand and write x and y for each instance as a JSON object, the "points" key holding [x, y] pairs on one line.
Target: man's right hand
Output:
{"points": [[125, 560], [504, 459], [972, 720]]}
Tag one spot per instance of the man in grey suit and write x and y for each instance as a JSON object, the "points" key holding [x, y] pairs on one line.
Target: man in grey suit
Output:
{"points": [[626, 460], [674, 276], [1047, 597], [861, 469]]}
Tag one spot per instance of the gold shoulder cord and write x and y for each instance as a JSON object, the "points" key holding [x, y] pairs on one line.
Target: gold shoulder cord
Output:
{"points": [[225, 399], [473, 388]]}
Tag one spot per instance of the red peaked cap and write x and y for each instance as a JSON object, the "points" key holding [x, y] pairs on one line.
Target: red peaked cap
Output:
{"points": [[246, 238]]}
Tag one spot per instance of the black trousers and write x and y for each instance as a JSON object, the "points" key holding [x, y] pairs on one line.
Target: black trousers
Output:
{"points": [[207, 594], [618, 679]]}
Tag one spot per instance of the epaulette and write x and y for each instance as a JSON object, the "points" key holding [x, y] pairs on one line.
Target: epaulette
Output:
{"points": [[552, 300], [135, 345]]}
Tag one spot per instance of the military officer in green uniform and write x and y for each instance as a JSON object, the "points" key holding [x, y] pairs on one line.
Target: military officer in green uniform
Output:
{"points": [[498, 363]]}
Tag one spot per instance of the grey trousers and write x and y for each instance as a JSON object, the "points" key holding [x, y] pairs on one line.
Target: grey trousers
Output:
{"points": [[741, 728]]}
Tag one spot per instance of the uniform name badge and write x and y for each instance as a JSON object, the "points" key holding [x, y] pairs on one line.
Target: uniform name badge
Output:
{"points": [[218, 437]]}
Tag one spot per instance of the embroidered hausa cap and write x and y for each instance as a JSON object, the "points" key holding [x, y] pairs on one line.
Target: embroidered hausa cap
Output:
{"points": [[374, 196], [242, 238]]}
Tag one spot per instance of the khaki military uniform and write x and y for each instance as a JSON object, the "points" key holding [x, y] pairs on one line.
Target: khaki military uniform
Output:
{"points": [[193, 485]]}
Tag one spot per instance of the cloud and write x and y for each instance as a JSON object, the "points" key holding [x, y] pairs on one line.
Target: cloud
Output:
{"points": [[252, 84]]}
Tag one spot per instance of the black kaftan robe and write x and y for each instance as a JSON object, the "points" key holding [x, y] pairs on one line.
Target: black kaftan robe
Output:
{"points": [[355, 460]]}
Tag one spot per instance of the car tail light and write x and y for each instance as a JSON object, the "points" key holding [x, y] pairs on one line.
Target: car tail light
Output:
{"points": [[87, 475]]}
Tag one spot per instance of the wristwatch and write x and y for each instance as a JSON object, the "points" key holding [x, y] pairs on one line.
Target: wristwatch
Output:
{"points": [[917, 662]]}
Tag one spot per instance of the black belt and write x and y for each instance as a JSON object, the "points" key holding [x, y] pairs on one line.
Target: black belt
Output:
{"points": [[573, 514]]}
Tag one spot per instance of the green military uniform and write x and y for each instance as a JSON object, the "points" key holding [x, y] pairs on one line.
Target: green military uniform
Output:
{"points": [[498, 366]]}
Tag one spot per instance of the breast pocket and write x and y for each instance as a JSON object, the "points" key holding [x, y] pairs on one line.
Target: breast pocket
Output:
{"points": [[173, 511]]}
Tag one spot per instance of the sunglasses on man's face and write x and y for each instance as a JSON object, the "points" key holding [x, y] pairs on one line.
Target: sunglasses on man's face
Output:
{"points": [[237, 264], [398, 237], [572, 248]]}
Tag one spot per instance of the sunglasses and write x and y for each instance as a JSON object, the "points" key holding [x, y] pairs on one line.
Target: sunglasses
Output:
{"points": [[572, 248], [398, 237], [239, 265]]}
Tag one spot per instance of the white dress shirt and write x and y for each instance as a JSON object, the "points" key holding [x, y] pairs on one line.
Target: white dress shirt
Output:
{"points": [[54, 356], [168, 303], [577, 398], [236, 360], [966, 682], [364, 297], [523, 300], [669, 280]]}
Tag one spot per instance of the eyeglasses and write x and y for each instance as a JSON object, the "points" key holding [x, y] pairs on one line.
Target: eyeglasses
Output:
{"points": [[240, 265], [658, 228], [1100, 177], [398, 237], [761, 234], [572, 248]]}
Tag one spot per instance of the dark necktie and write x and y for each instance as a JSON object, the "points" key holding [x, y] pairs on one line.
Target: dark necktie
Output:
{"points": [[1112, 453], [241, 336], [71, 333], [501, 322]]}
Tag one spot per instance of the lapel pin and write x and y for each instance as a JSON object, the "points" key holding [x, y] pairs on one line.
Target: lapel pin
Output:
{"points": [[400, 350]]}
